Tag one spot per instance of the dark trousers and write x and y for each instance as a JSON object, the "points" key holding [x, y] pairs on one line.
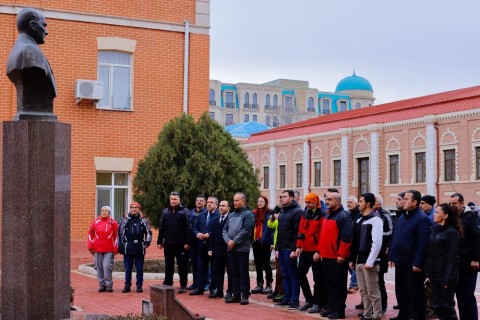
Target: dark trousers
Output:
{"points": [[278, 277], [174, 251], [304, 263], [261, 256], [219, 265], [467, 304], [410, 293], [240, 274], [383, 289], [335, 276], [129, 261], [203, 262], [443, 301], [291, 285], [192, 260]]}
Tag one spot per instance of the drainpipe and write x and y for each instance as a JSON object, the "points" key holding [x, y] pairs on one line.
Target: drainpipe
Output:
{"points": [[185, 67], [437, 184]]}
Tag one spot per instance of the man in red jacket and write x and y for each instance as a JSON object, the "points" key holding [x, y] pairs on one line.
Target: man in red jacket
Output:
{"points": [[307, 242], [334, 248]]}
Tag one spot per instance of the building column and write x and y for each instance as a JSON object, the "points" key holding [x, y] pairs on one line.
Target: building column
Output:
{"points": [[374, 163], [272, 172], [431, 156], [306, 168], [345, 158]]}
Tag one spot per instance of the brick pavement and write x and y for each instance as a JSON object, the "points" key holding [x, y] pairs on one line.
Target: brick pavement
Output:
{"points": [[116, 303]]}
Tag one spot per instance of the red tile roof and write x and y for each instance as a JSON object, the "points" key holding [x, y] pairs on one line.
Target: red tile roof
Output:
{"points": [[435, 104]]}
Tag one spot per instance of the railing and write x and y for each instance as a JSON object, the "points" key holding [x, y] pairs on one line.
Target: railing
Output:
{"points": [[213, 102], [254, 106], [325, 111], [246, 106], [271, 108], [310, 109], [229, 105]]}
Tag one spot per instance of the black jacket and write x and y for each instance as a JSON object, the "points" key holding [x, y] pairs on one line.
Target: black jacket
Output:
{"points": [[288, 221], [470, 242], [134, 235], [175, 227], [217, 244], [442, 255]]}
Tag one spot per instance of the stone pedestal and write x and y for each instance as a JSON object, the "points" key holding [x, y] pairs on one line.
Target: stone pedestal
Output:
{"points": [[165, 304], [36, 220]]}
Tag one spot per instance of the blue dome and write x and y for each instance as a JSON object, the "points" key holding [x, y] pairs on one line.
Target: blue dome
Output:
{"points": [[354, 82]]}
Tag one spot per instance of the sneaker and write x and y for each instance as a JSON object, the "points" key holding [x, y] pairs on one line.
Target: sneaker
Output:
{"points": [[314, 309], [293, 305], [272, 295], [281, 304], [126, 289], [278, 298], [336, 315], [305, 307], [182, 290], [109, 289], [139, 289], [244, 299], [192, 287], [102, 288], [325, 312]]}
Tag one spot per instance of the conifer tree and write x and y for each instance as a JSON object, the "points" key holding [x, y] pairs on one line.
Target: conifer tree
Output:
{"points": [[193, 158]]}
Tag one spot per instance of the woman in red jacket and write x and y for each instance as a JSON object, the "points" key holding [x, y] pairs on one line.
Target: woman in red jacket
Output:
{"points": [[102, 243]]}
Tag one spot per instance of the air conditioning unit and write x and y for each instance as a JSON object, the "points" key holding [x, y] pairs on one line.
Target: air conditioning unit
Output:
{"points": [[88, 90]]}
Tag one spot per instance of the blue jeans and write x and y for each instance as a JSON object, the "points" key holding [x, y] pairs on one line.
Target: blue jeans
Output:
{"points": [[128, 261], [353, 278], [291, 285]]}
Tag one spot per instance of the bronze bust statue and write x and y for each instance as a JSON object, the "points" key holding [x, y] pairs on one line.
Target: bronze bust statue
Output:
{"points": [[30, 71]]}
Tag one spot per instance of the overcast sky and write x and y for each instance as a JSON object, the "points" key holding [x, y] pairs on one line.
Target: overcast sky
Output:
{"points": [[404, 48]]}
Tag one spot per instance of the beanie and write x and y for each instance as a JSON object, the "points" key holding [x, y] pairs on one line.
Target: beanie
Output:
{"points": [[135, 204], [429, 199], [313, 198]]}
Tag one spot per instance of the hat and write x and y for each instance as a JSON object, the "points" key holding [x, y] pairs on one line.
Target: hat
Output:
{"points": [[429, 199], [313, 198], [135, 204]]}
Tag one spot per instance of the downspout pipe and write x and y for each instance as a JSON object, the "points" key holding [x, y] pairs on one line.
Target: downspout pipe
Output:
{"points": [[185, 67], [310, 165]]}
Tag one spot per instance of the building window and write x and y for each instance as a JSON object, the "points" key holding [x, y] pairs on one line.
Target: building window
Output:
{"points": [[420, 167], [449, 165], [275, 121], [114, 70], [246, 105], [289, 104], [310, 107], [267, 101], [254, 118], [112, 191], [266, 178], [275, 101], [267, 120], [246, 118], [212, 115], [337, 172], [282, 177], [299, 172], [228, 119], [343, 106], [211, 98], [317, 167], [358, 105], [477, 157], [325, 106], [229, 100], [394, 169], [254, 101]]}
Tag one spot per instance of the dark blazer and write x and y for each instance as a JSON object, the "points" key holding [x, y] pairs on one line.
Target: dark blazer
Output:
{"points": [[201, 227], [216, 244]]}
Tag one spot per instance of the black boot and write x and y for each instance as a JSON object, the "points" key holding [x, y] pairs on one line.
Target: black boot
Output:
{"points": [[268, 288], [102, 288], [272, 295], [126, 288], [244, 299], [258, 288]]}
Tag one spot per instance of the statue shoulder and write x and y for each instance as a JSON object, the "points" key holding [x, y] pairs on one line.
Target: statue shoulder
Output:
{"points": [[25, 55]]}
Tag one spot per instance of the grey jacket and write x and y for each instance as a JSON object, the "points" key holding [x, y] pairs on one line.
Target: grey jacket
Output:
{"points": [[239, 227]]}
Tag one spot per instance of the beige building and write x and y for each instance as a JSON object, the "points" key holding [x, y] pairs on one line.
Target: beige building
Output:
{"points": [[429, 143], [283, 101]]}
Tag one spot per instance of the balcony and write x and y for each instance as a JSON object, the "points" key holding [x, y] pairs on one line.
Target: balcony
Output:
{"points": [[310, 109], [289, 109], [254, 106], [271, 108], [213, 102], [230, 105], [246, 106]]}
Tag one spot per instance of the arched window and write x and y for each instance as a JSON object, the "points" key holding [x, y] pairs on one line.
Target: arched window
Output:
{"points": [[310, 107], [212, 97], [267, 100], [247, 98], [358, 105], [254, 99], [275, 101]]}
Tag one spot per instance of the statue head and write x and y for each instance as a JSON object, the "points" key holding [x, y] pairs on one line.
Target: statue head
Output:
{"points": [[32, 22]]}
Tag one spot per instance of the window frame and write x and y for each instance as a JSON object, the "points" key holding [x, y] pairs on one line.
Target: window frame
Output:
{"points": [[394, 167], [337, 172], [422, 167], [282, 176], [266, 177], [449, 164], [298, 175], [111, 188], [317, 174]]}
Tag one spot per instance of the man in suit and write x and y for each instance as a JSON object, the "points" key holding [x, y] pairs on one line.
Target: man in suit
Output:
{"points": [[217, 251], [202, 230], [30, 71]]}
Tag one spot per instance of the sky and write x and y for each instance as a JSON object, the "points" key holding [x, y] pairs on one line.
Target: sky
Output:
{"points": [[405, 49]]}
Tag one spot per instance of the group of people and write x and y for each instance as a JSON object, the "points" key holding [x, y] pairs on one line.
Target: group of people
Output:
{"points": [[435, 251]]}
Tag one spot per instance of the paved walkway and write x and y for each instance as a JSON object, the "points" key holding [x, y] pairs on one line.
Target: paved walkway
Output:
{"points": [[88, 299]]}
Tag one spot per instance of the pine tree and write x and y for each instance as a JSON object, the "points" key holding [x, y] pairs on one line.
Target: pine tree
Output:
{"points": [[193, 158]]}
